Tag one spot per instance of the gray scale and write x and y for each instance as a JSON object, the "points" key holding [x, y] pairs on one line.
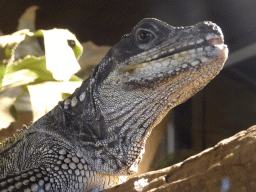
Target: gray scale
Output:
{"points": [[68, 169]]}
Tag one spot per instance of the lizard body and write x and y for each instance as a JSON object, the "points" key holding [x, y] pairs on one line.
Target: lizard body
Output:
{"points": [[96, 137]]}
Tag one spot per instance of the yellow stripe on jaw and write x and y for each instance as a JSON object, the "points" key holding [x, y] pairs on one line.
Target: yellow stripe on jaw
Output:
{"points": [[179, 57]]}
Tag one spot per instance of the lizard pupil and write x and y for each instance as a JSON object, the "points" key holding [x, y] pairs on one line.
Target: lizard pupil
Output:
{"points": [[144, 36]]}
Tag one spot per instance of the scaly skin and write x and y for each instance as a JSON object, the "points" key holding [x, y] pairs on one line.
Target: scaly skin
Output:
{"points": [[92, 140]]}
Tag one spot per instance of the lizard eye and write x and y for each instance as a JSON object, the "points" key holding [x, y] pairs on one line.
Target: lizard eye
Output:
{"points": [[144, 35]]}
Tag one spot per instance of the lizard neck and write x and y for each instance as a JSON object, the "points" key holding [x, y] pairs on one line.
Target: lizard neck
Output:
{"points": [[107, 146], [110, 131]]}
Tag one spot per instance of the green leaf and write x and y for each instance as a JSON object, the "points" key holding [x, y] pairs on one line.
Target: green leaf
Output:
{"points": [[65, 95], [75, 78], [34, 64], [42, 102], [38, 33], [5, 116], [78, 50], [13, 111], [15, 79], [8, 113], [8, 52], [8, 44], [30, 69], [2, 71], [60, 57]]}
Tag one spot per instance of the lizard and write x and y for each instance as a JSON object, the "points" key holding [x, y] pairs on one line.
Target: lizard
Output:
{"points": [[95, 138]]}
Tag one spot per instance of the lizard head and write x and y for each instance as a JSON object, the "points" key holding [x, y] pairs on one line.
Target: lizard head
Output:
{"points": [[150, 71]]}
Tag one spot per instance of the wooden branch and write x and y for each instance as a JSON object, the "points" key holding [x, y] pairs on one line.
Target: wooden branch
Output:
{"points": [[228, 166]]}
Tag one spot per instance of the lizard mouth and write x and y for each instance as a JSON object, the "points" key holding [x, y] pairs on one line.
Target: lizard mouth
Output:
{"points": [[215, 41], [210, 42]]}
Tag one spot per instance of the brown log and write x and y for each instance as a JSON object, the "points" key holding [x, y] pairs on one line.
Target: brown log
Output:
{"points": [[228, 166]]}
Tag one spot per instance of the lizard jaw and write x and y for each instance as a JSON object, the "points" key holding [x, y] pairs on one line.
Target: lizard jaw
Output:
{"points": [[170, 61]]}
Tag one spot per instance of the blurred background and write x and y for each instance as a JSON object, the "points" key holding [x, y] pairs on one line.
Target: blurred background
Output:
{"points": [[226, 106]]}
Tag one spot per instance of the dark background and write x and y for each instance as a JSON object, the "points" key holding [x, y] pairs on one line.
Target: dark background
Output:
{"points": [[226, 106]]}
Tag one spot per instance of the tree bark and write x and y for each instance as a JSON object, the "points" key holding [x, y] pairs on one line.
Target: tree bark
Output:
{"points": [[228, 166]]}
